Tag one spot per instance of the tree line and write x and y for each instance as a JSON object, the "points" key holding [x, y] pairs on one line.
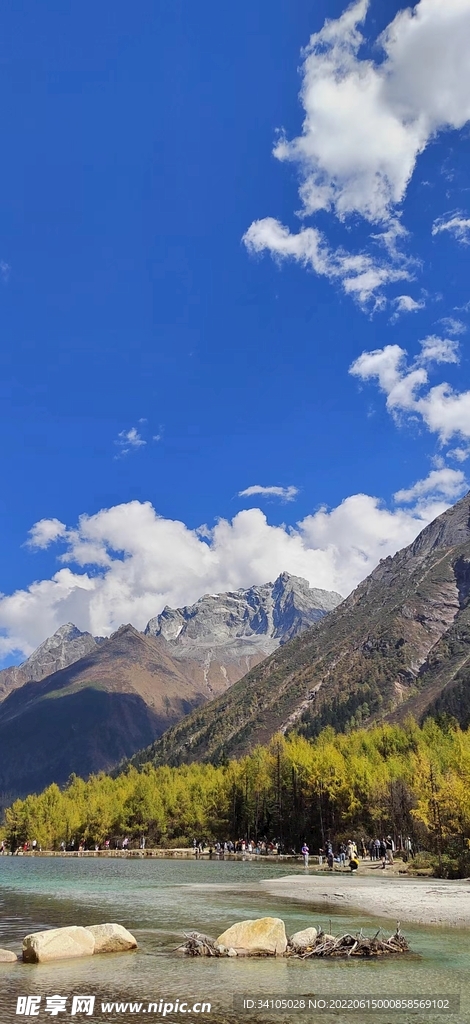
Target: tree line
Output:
{"points": [[404, 780]]}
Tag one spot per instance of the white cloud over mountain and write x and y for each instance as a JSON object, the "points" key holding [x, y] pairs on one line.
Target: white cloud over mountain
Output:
{"points": [[443, 410], [366, 122], [440, 483], [126, 563]]}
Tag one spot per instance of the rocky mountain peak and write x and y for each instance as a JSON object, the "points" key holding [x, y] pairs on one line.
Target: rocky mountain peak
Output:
{"points": [[240, 622], [60, 649], [449, 530], [65, 646]]}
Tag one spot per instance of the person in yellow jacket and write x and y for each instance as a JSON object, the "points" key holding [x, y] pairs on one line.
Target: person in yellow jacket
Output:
{"points": [[354, 863]]}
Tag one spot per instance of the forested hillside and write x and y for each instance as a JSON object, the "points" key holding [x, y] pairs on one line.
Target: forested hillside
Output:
{"points": [[400, 779]]}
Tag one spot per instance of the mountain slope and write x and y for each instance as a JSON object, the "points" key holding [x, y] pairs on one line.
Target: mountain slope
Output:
{"points": [[65, 646], [86, 717], [128, 689], [381, 650]]}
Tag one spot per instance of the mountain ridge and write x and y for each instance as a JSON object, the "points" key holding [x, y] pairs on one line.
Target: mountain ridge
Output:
{"points": [[129, 688], [65, 646], [367, 660]]}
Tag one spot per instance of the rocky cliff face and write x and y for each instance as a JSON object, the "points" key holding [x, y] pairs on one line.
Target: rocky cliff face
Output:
{"points": [[243, 623], [399, 644], [65, 646]]}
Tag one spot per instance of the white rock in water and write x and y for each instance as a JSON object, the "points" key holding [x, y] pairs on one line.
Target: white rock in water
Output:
{"points": [[264, 935], [111, 938], [57, 944], [304, 938], [7, 957]]}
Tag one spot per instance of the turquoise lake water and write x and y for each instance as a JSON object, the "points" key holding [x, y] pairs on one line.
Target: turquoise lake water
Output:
{"points": [[158, 900]]}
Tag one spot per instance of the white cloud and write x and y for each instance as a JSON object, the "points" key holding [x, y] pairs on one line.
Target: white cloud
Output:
{"points": [[460, 454], [444, 411], [127, 440], [406, 304], [45, 532], [452, 325], [285, 493], [438, 350], [362, 276], [440, 483], [457, 225], [365, 125], [141, 561]]}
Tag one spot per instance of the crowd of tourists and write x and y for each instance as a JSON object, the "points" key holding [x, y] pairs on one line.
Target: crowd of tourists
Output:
{"points": [[342, 854], [349, 853]]}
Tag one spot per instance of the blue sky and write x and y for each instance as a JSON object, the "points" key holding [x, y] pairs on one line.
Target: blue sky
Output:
{"points": [[187, 278]]}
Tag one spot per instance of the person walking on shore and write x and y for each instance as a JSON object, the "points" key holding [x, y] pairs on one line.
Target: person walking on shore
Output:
{"points": [[383, 851]]}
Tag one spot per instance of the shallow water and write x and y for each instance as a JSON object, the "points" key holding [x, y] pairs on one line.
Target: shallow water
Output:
{"points": [[160, 899]]}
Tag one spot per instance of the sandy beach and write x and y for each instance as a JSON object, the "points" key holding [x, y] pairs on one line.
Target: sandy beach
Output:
{"points": [[426, 901]]}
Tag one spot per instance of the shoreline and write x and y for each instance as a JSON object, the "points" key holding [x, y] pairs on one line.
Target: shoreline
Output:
{"points": [[181, 851], [427, 902]]}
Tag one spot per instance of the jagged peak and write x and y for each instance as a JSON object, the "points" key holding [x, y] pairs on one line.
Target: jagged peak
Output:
{"points": [[126, 629]]}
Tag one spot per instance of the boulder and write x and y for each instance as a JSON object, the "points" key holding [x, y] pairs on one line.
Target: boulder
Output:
{"points": [[7, 957], [304, 938], [57, 944], [111, 938], [264, 935]]}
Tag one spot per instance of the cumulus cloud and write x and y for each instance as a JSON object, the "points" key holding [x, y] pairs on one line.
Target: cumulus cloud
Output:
{"points": [[443, 483], [45, 532], [285, 493], [444, 411], [129, 562], [366, 122], [457, 225]]}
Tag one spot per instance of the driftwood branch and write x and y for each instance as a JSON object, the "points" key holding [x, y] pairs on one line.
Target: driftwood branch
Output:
{"points": [[197, 944], [352, 945]]}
